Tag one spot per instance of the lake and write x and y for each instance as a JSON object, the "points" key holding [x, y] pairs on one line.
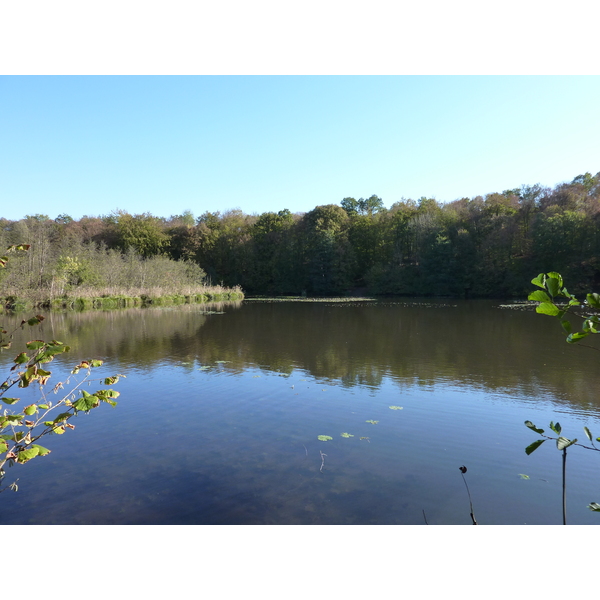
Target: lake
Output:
{"points": [[222, 407]]}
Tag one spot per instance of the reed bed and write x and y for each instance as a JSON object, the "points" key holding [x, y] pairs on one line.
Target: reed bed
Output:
{"points": [[83, 298]]}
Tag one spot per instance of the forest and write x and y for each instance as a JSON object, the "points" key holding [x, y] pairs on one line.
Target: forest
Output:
{"points": [[486, 246]]}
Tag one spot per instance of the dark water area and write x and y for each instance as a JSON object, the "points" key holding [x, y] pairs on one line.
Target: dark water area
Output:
{"points": [[220, 413]]}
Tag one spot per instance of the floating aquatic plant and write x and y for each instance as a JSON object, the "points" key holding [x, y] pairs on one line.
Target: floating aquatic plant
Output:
{"points": [[396, 407], [522, 476], [372, 422], [346, 435], [324, 438]]}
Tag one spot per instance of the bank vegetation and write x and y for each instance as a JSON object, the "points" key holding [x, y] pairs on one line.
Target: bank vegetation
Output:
{"points": [[476, 247]]}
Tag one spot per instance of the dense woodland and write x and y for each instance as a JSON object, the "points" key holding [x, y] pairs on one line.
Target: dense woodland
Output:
{"points": [[488, 246]]}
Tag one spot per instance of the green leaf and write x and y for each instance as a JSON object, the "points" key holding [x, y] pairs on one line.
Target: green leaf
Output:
{"points": [[532, 426], [555, 275], [555, 427], [13, 418], [523, 476], [3, 446], [594, 506], [372, 422], [575, 337], [25, 455], [28, 376], [566, 325], [532, 447], [539, 280], [41, 450], [593, 300], [547, 308], [30, 410], [553, 286], [10, 400], [539, 296], [563, 442], [396, 407], [86, 402], [34, 320], [60, 418], [324, 438], [588, 433]]}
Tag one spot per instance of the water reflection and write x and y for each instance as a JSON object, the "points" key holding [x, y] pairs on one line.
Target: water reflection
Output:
{"points": [[474, 343]]}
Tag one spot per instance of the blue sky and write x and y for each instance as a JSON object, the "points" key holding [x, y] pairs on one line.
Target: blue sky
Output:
{"points": [[87, 145]]}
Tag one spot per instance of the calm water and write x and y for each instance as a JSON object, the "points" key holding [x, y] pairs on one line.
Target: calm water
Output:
{"points": [[219, 417]]}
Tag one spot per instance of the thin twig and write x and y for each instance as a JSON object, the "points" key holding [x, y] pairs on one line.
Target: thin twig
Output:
{"points": [[425, 517], [323, 455]]}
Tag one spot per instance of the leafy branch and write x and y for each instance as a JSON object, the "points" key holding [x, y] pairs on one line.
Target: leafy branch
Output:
{"points": [[19, 431], [553, 287]]}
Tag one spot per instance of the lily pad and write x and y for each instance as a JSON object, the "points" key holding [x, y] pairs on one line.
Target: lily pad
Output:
{"points": [[324, 438], [396, 407], [346, 435], [372, 422], [220, 362]]}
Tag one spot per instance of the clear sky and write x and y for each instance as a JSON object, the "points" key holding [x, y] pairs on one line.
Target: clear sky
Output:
{"points": [[87, 145]]}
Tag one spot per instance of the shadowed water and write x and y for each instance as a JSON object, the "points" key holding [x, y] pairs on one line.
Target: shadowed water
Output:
{"points": [[220, 413]]}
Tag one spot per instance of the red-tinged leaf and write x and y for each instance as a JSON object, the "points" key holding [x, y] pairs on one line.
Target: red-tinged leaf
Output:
{"points": [[21, 358], [27, 455], [35, 344]]}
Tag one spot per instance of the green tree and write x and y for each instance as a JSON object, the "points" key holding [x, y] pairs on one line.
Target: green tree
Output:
{"points": [[144, 233], [328, 255]]}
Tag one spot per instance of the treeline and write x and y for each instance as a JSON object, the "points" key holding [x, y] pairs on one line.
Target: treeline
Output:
{"points": [[482, 246]]}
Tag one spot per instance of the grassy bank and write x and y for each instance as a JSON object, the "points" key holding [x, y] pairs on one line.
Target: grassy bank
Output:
{"points": [[108, 298]]}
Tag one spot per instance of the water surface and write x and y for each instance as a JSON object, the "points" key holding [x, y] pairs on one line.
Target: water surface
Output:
{"points": [[220, 413]]}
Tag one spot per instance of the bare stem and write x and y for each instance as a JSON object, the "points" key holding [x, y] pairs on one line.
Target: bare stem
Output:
{"points": [[463, 470], [564, 474]]}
